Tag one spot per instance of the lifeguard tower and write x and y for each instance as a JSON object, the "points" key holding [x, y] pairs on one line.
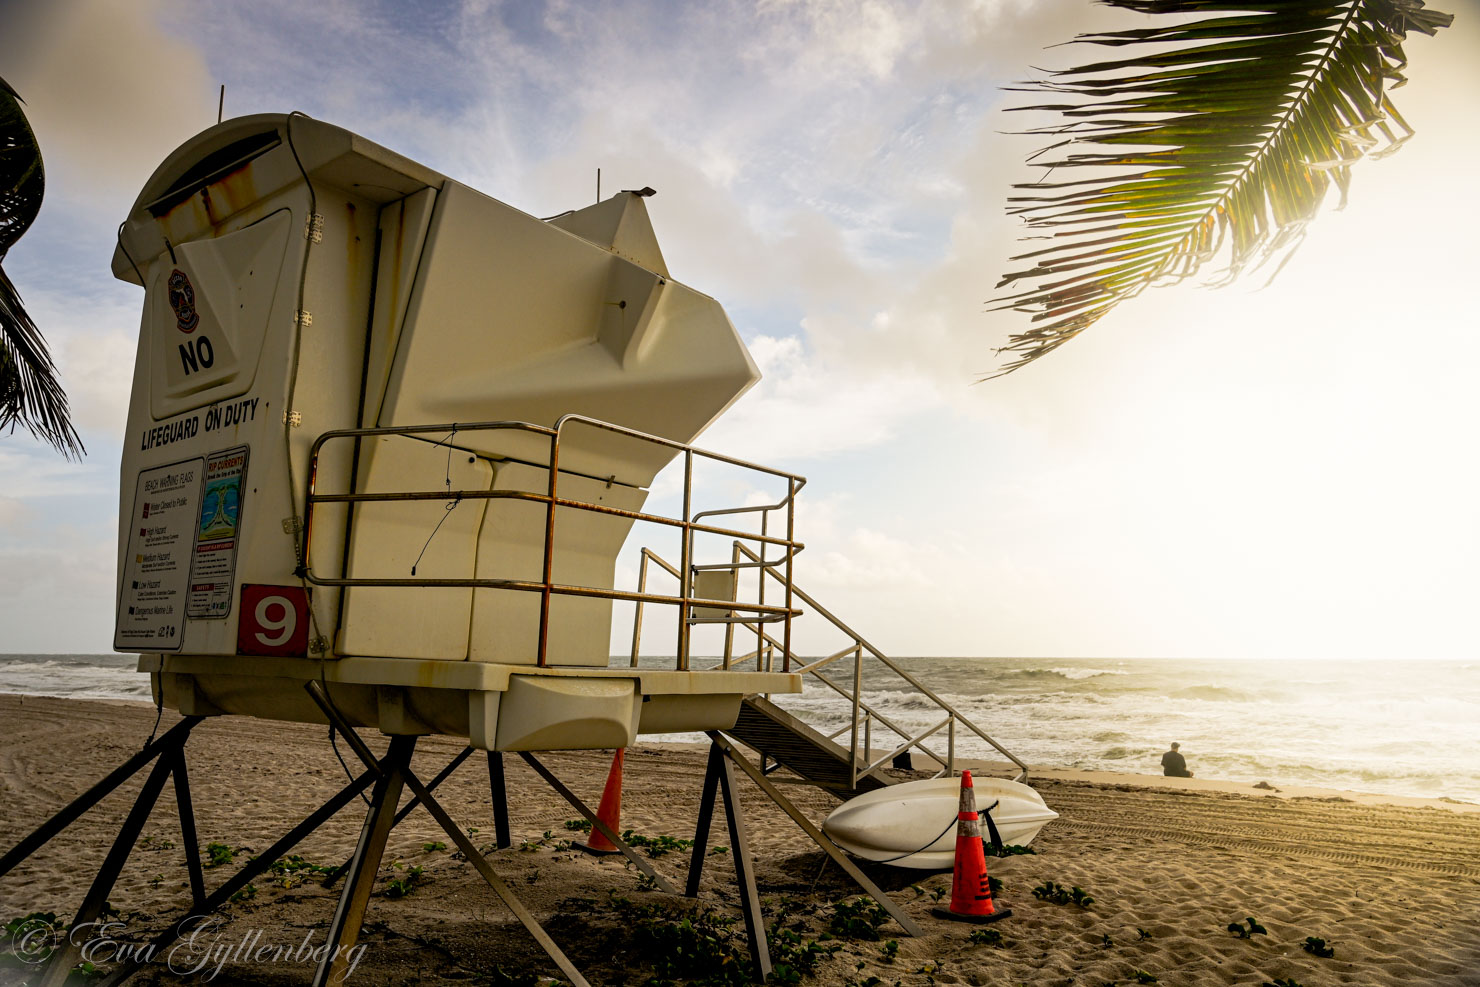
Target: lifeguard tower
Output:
{"points": [[386, 439], [389, 434]]}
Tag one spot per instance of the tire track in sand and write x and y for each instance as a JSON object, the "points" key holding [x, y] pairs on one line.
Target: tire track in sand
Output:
{"points": [[1221, 840]]}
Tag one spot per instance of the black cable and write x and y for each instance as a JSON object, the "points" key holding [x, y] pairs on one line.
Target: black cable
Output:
{"points": [[987, 813], [297, 354], [131, 262], [992, 828], [335, 744], [448, 508], [332, 741], [889, 860], [158, 713]]}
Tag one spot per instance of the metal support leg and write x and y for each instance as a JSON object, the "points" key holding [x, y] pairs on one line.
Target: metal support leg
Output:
{"points": [[442, 776], [68, 951], [350, 914], [254, 869], [458, 837], [838, 857], [755, 924], [505, 893], [187, 831], [500, 798], [706, 822], [597, 823], [720, 775], [173, 737]]}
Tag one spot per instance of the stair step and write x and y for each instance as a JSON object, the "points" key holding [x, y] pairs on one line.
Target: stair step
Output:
{"points": [[766, 727]]}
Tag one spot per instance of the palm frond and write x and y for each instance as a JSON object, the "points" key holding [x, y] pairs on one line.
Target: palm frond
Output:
{"points": [[30, 393], [1214, 139]]}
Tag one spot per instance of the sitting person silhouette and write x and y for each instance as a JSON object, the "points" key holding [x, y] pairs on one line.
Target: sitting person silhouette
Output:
{"points": [[1174, 765]]}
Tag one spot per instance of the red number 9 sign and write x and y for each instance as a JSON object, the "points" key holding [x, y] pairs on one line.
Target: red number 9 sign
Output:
{"points": [[273, 621]]}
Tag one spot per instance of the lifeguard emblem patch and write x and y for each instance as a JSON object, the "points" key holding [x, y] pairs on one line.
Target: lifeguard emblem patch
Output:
{"points": [[182, 300]]}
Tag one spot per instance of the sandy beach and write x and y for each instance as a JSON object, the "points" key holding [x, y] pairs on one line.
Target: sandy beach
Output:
{"points": [[1391, 884]]}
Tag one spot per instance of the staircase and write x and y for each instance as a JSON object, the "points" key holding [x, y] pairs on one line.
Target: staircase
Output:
{"points": [[844, 769], [776, 734]]}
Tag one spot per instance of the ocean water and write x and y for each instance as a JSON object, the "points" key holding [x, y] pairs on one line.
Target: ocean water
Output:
{"points": [[1391, 727], [74, 676]]}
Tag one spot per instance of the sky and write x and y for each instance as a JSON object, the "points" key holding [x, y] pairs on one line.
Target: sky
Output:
{"points": [[1247, 472]]}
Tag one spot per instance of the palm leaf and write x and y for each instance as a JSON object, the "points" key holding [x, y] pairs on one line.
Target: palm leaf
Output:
{"points": [[1211, 140], [30, 394]]}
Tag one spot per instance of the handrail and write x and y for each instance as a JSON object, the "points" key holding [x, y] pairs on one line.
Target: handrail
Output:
{"points": [[417, 495], [689, 524], [819, 663], [909, 742], [863, 714], [871, 713], [955, 714]]}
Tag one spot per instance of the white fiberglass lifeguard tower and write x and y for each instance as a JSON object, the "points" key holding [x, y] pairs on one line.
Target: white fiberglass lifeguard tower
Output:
{"points": [[354, 378]]}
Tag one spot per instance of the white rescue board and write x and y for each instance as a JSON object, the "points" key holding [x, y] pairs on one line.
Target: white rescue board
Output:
{"points": [[914, 824]]}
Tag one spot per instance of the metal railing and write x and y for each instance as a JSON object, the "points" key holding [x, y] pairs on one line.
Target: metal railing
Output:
{"points": [[689, 523], [752, 616], [863, 714]]}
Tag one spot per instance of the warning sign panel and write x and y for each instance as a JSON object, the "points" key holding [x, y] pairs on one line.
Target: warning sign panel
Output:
{"points": [[213, 560], [156, 571]]}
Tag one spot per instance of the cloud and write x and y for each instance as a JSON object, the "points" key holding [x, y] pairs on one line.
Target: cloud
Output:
{"points": [[98, 370], [867, 559], [59, 598], [105, 89], [13, 513], [806, 409], [35, 473], [91, 325], [109, 93], [833, 38]]}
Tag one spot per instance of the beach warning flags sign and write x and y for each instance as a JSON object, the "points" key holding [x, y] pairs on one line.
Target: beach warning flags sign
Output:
{"points": [[971, 894]]}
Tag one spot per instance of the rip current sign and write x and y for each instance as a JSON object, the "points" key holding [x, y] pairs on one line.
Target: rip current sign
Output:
{"points": [[213, 560], [273, 621]]}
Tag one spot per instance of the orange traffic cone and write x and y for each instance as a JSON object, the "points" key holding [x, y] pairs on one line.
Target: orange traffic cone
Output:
{"points": [[971, 894], [610, 810]]}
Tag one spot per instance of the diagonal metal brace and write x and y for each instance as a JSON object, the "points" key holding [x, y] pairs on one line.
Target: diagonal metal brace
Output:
{"points": [[600, 826], [173, 738], [349, 913], [254, 868], [188, 836], [69, 951], [464, 844], [838, 857], [441, 776], [719, 778]]}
